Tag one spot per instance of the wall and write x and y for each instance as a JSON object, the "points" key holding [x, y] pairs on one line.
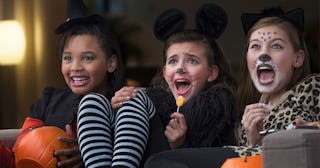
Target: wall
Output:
{"points": [[22, 84]]}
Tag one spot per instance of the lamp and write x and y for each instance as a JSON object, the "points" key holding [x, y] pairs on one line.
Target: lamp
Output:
{"points": [[12, 42]]}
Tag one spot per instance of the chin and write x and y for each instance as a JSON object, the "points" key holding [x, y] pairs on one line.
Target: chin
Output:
{"points": [[78, 91]]}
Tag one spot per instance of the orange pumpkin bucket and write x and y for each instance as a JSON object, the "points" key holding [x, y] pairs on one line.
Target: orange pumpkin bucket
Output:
{"points": [[247, 162]]}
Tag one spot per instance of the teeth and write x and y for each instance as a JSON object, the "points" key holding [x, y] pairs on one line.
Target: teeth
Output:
{"points": [[78, 79], [181, 80], [264, 68]]}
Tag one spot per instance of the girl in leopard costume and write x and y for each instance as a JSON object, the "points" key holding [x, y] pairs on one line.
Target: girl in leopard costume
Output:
{"points": [[276, 87]]}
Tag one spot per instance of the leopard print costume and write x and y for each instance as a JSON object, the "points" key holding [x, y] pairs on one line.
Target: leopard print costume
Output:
{"points": [[302, 101]]}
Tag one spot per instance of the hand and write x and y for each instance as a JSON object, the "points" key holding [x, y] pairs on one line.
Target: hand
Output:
{"points": [[124, 94], [176, 130], [252, 121], [301, 122], [73, 154]]}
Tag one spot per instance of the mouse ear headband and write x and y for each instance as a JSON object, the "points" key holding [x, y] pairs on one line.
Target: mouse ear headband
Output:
{"points": [[169, 22], [210, 19]]}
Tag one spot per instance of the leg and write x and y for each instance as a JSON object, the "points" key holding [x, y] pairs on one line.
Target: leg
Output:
{"points": [[132, 130], [95, 119]]}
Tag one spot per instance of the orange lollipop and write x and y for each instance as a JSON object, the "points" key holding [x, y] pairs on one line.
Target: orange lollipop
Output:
{"points": [[179, 102]]}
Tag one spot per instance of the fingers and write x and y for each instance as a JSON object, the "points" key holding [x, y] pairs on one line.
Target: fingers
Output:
{"points": [[254, 110], [69, 130], [299, 121], [176, 128], [175, 133], [67, 152], [253, 117], [180, 119], [122, 95], [74, 161]]}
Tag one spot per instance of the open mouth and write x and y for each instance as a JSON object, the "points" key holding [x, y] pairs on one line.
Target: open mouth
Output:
{"points": [[265, 74], [182, 86], [79, 81]]}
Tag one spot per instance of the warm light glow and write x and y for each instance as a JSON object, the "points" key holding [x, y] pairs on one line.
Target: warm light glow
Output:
{"points": [[12, 42]]}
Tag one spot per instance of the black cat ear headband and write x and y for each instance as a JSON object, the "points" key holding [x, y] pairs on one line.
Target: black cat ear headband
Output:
{"points": [[210, 19], [296, 17], [77, 15]]}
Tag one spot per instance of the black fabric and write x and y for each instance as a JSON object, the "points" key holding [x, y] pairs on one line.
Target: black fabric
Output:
{"points": [[56, 107], [210, 116], [157, 140], [190, 158]]}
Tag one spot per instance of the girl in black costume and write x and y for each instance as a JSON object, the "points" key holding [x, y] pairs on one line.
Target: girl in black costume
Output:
{"points": [[194, 67]]}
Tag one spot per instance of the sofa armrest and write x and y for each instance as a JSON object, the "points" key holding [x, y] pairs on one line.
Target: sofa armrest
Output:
{"points": [[8, 136], [292, 148]]}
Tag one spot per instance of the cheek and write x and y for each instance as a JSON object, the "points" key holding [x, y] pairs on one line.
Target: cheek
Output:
{"points": [[251, 62], [98, 71], [64, 69], [168, 73]]}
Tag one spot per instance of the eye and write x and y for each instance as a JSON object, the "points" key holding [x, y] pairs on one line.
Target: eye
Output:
{"points": [[67, 58], [255, 46], [192, 61], [277, 46], [172, 61], [88, 58]]}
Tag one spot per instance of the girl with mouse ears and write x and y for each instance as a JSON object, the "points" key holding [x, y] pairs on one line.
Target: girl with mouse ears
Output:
{"points": [[193, 67]]}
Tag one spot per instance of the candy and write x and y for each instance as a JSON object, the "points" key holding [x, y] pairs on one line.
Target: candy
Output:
{"points": [[179, 102]]}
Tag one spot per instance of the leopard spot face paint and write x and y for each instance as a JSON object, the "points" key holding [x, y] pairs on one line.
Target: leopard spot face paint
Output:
{"points": [[265, 36]]}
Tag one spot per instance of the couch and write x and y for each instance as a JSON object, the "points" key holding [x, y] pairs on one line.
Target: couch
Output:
{"points": [[286, 148], [8, 136], [298, 148]]}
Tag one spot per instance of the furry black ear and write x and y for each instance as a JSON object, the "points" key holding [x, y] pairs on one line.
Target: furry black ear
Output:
{"points": [[169, 22], [211, 20], [295, 16]]}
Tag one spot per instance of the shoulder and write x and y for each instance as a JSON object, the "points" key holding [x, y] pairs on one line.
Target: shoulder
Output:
{"points": [[216, 100], [158, 95], [53, 97], [309, 85], [215, 95]]}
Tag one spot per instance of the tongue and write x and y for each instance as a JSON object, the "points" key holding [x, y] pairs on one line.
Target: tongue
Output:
{"points": [[266, 77], [182, 89]]}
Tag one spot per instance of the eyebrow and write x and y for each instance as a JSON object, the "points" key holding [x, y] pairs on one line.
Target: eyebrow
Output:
{"points": [[275, 39]]}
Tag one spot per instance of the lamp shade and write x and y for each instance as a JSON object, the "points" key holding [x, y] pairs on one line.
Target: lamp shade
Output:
{"points": [[12, 42]]}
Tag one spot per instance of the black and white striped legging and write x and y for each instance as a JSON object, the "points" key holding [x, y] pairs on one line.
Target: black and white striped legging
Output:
{"points": [[108, 140]]}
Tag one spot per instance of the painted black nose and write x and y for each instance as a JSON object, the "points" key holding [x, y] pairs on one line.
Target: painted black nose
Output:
{"points": [[179, 70], [264, 57]]}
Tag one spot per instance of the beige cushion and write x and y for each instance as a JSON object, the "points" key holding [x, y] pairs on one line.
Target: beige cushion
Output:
{"points": [[292, 148]]}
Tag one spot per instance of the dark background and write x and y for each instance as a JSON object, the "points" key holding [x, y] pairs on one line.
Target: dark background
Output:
{"points": [[22, 84]]}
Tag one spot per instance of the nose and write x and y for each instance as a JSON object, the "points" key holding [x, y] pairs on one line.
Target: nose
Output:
{"points": [[264, 57], [179, 71], [76, 66]]}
